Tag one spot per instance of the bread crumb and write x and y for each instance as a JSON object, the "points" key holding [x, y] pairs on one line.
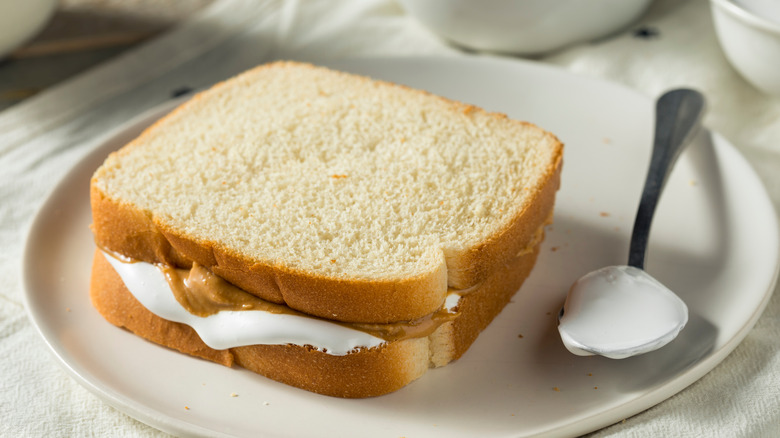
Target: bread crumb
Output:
{"points": [[554, 248], [556, 389], [187, 408], [607, 140], [67, 309], [265, 403], [233, 394], [520, 336], [590, 374], [604, 214], [595, 387]]}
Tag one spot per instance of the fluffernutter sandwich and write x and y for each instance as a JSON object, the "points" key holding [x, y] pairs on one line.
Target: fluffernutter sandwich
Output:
{"points": [[336, 233]]}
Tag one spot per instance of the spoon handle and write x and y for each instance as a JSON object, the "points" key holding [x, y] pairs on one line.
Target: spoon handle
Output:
{"points": [[677, 115]]}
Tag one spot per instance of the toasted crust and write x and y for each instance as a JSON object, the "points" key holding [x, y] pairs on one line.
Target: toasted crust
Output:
{"points": [[476, 264], [121, 228], [366, 373], [128, 230]]}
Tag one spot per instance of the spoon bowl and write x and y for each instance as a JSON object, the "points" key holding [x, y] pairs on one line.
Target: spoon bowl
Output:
{"points": [[650, 315], [622, 311]]}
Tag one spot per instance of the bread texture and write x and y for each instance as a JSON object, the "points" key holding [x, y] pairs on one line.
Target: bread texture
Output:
{"points": [[339, 196]]}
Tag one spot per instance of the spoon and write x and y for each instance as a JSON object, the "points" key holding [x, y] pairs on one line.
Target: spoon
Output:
{"points": [[622, 311]]}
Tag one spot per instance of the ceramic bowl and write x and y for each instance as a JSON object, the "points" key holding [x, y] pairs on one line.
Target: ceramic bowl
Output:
{"points": [[524, 27], [20, 20], [749, 33]]}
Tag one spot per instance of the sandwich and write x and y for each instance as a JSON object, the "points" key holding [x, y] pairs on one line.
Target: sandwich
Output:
{"points": [[336, 233]]}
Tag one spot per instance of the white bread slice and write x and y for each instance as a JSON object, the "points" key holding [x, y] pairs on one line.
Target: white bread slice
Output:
{"points": [[365, 373], [343, 197]]}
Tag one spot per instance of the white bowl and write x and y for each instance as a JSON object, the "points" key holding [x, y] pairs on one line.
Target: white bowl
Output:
{"points": [[20, 20], [524, 27], [751, 43]]}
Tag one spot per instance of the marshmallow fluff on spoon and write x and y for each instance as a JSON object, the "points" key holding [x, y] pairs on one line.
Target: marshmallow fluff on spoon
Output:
{"points": [[622, 311]]}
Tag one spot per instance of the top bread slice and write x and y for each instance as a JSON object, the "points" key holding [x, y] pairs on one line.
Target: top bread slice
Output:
{"points": [[344, 197]]}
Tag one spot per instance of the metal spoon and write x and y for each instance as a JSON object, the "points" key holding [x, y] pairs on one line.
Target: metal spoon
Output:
{"points": [[621, 311]]}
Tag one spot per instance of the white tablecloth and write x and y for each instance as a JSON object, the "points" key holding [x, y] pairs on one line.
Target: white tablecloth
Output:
{"points": [[43, 137]]}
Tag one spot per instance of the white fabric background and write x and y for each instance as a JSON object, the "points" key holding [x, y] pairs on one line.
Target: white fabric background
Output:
{"points": [[43, 137]]}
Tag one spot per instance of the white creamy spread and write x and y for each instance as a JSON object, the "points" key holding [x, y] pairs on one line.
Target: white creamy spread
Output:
{"points": [[620, 311], [227, 329], [452, 300]]}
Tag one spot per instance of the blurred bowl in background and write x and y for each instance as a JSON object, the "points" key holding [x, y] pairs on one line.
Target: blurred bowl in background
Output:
{"points": [[21, 20], [751, 42], [524, 27]]}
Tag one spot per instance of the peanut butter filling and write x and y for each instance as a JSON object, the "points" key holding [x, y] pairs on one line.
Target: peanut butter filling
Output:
{"points": [[203, 293]]}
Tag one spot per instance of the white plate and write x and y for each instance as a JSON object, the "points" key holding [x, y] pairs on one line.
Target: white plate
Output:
{"points": [[715, 242]]}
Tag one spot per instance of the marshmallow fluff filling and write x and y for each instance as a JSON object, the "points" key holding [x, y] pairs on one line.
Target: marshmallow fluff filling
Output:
{"points": [[236, 328]]}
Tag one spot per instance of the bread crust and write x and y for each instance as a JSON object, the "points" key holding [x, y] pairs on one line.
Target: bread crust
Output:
{"points": [[474, 265], [366, 373], [138, 234]]}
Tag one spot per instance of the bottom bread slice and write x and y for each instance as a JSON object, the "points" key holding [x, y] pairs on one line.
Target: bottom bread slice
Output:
{"points": [[364, 373]]}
